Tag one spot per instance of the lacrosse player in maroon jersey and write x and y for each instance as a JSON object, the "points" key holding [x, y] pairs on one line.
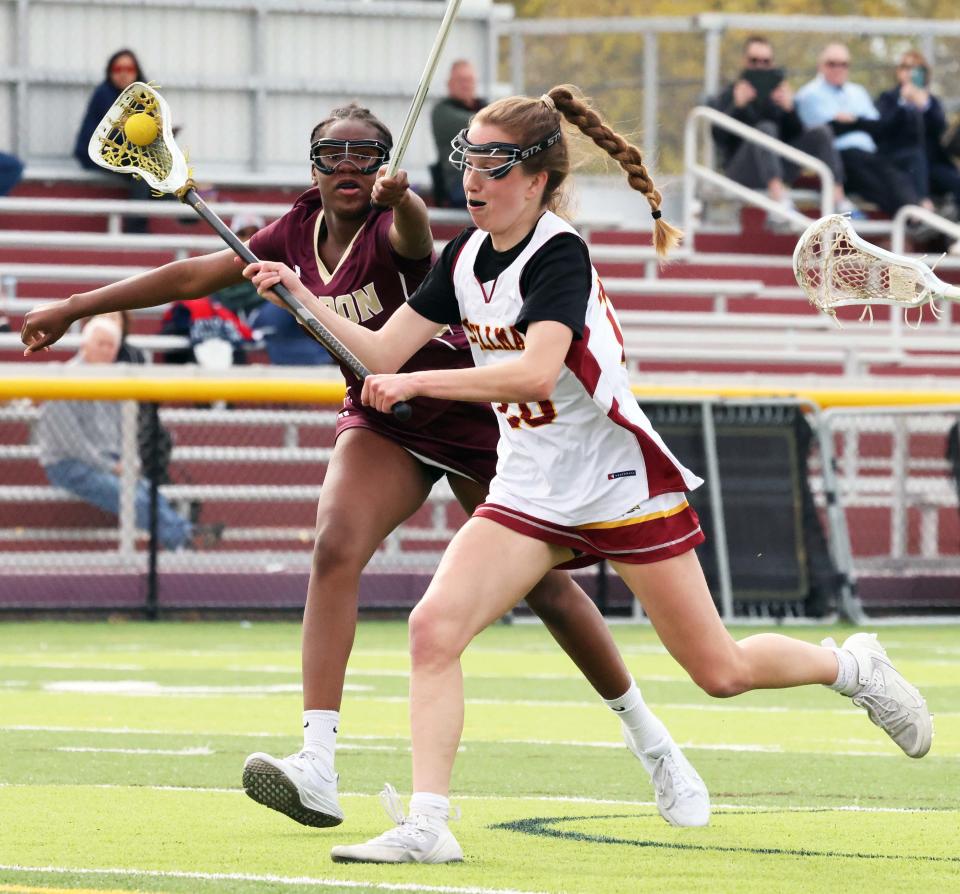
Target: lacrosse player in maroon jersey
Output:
{"points": [[581, 474], [364, 262]]}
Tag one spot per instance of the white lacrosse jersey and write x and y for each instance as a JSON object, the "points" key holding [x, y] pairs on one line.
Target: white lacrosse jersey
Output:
{"points": [[589, 453]]}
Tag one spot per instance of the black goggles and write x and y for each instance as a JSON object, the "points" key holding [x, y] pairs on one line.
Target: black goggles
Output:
{"points": [[367, 156], [495, 159]]}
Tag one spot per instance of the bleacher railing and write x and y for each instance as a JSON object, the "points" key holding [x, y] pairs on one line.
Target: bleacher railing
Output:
{"points": [[699, 122]]}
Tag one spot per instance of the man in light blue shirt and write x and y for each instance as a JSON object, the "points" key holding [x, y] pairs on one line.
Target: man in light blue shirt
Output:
{"points": [[847, 108]]}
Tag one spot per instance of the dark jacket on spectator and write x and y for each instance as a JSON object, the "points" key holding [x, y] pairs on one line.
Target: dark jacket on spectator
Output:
{"points": [[788, 123], [103, 97], [901, 125], [934, 127]]}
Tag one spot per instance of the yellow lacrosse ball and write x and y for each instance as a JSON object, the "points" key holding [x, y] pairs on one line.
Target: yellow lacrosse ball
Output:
{"points": [[140, 129]]}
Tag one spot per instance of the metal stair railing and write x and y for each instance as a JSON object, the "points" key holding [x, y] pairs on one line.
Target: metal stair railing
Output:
{"points": [[694, 172]]}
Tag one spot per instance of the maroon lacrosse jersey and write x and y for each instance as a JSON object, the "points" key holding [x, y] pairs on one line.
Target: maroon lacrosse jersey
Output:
{"points": [[368, 284]]}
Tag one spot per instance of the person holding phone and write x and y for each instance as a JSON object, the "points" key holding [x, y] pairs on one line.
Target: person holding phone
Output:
{"points": [[916, 124], [762, 98], [832, 99], [901, 133]]}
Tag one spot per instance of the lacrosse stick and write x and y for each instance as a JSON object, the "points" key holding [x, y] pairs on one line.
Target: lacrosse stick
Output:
{"points": [[413, 113], [423, 87], [837, 268], [136, 137]]}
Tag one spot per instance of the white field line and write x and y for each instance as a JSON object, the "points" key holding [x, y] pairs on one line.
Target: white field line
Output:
{"points": [[152, 688], [65, 665], [181, 752], [540, 799], [293, 881], [726, 708], [204, 751], [347, 742], [473, 675], [359, 693]]}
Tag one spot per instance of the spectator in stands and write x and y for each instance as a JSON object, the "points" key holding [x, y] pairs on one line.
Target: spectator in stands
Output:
{"points": [[286, 341], [914, 137], [451, 115], [11, 170], [832, 99], [4, 318], [154, 441], [242, 298], [762, 98], [217, 336], [80, 449], [123, 69]]}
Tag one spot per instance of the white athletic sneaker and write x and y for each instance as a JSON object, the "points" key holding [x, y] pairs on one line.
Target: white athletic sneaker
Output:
{"points": [[890, 701], [414, 839], [682, 797], [302, 786]]}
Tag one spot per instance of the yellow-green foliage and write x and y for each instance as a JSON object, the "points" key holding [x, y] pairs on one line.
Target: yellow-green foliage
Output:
{"points": [[609, 67]]}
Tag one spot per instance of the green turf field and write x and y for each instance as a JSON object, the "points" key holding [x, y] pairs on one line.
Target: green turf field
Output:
{"points": [[121, 747]]}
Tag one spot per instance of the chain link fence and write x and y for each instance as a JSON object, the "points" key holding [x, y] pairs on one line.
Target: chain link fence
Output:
{"points": [[115, 505], [118, 505], [897, 473]]}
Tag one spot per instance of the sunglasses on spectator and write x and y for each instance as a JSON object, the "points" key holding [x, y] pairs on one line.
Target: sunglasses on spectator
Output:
{"points": [[836, 63], [760, 61], [123, 67]]}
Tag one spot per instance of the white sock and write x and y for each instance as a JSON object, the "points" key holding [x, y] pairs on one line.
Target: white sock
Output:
{"points": [[647, 730], [429, 804], [848, 673], [320, 733]]}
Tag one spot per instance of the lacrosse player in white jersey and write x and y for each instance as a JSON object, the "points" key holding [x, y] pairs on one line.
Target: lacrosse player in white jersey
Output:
{"points": [[581, 473]]}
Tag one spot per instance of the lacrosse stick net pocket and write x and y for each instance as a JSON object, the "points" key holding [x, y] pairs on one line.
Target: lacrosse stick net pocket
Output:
{"points": [[160, 163]]}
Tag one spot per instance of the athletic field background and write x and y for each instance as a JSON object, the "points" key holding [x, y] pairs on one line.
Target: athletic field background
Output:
{"points": [[121, 746]]}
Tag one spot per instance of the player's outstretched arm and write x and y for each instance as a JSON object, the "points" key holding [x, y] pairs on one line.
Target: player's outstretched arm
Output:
{"points": [[410, 233], [382, 351], [176, 281]]}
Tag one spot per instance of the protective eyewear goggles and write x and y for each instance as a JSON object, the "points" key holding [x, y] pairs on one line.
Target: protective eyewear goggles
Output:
{"points": [[367, 156], [495, 159]]}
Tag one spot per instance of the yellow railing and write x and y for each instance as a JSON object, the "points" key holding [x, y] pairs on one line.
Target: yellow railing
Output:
{"points": [[276, 385]]}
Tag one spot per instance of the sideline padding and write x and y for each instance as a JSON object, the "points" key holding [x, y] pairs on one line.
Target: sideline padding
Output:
{"points": [[265, 384]]}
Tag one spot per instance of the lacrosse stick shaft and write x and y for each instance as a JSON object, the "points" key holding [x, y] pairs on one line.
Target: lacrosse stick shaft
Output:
{"points": [[423, 87], [320, 332]]}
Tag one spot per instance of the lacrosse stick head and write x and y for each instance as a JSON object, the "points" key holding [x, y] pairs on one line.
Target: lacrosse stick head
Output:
{"points": [[159, 161], [836, 268]]}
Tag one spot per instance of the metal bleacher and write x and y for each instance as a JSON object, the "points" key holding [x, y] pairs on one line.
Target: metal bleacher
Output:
{"points": [[717, 310]]}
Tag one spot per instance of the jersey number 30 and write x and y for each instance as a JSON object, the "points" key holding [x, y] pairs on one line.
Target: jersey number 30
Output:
{"points": [[525, 415]]}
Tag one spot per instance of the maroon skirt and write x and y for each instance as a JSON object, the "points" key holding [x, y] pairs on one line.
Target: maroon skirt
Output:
{"points": [[455, 436]]}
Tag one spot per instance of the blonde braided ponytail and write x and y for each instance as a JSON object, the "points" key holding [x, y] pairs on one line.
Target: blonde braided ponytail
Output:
{"points": [[628, 156]]}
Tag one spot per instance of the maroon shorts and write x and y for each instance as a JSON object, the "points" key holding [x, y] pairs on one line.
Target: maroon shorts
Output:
{"points": [[453, 436], [635, 541]]}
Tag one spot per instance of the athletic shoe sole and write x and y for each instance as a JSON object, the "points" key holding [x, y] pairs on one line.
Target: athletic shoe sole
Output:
{"points": [[269, 786], [449, 852], [338, 858]]}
